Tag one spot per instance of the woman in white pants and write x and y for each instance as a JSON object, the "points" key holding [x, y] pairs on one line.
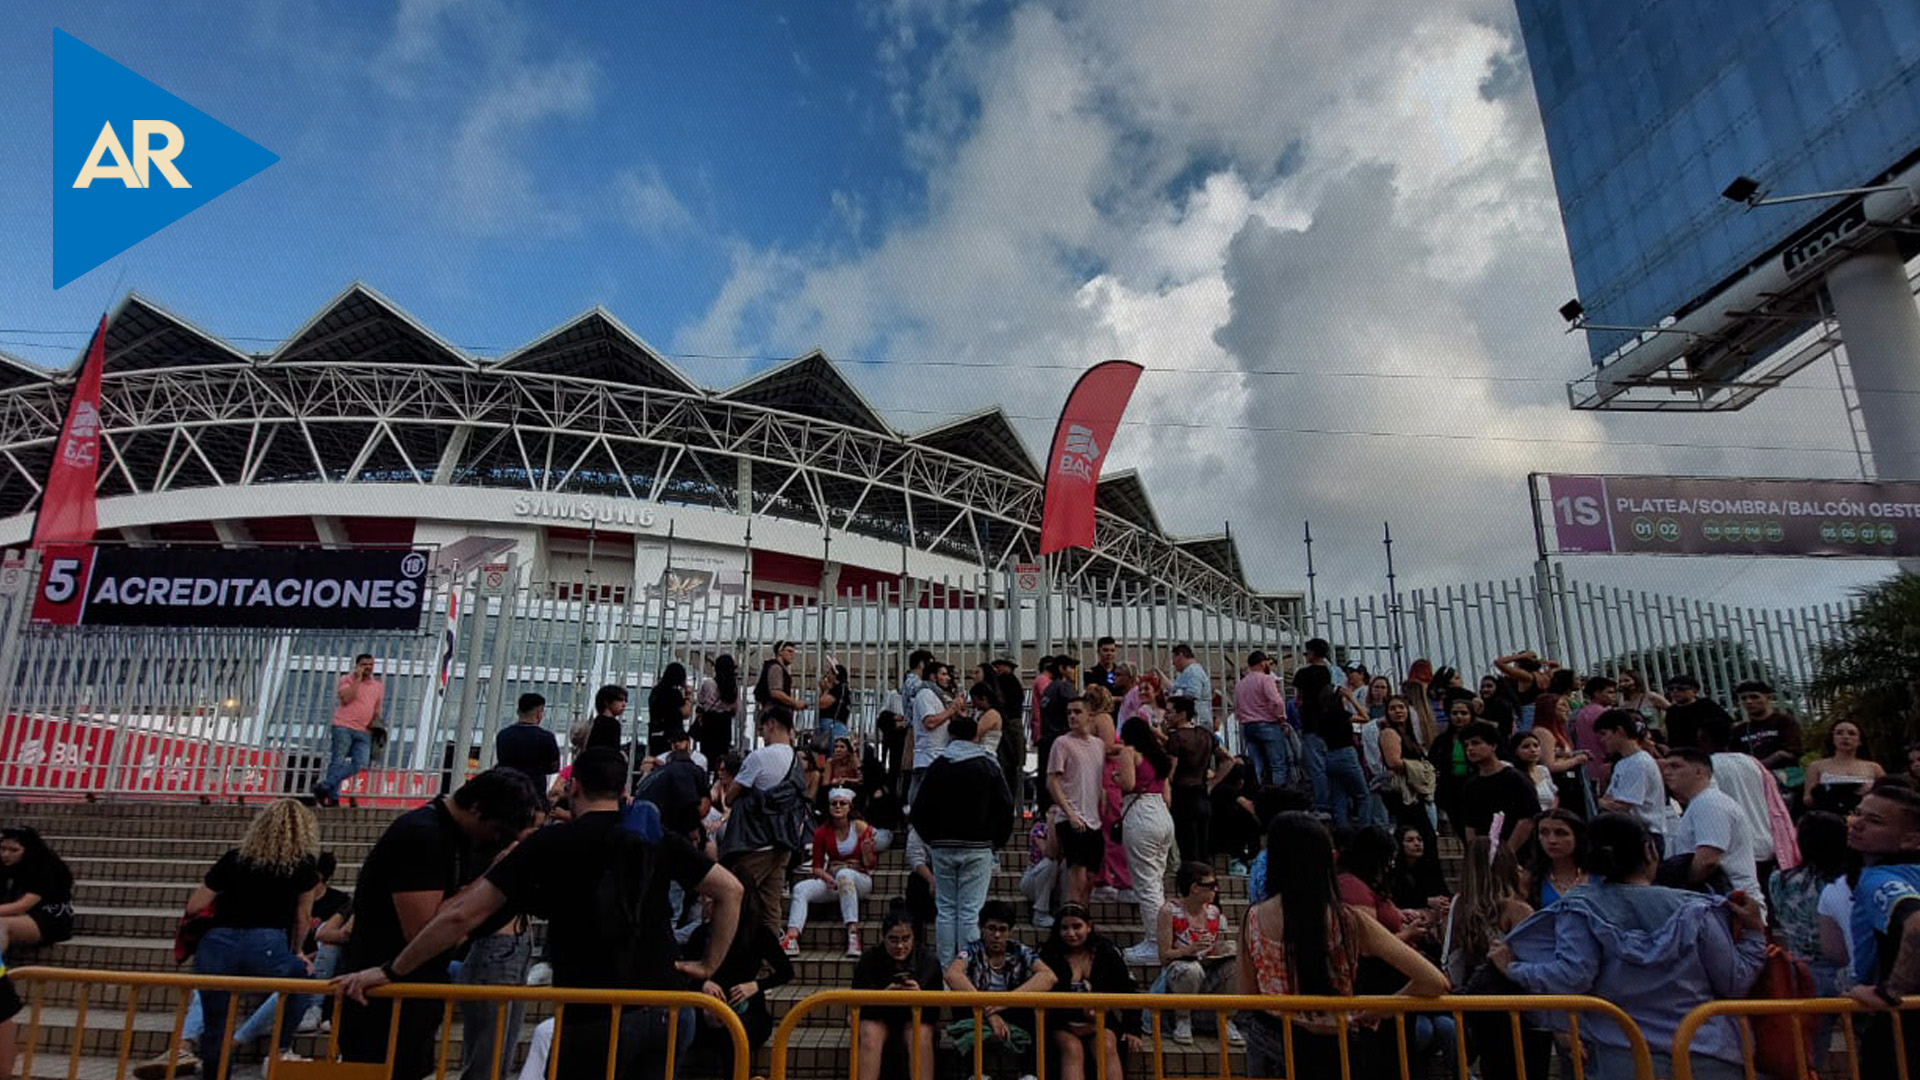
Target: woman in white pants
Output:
{"points": [[843, 860], [1146, 828]]}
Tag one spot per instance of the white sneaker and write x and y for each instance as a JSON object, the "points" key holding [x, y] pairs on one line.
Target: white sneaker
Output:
{"points": [[540, 974], [790, 942], [1107, 893], [290, 1054], [1146, 952], [1183, 1032], [1042, 920], [1234, 1038], [309, 1021], [184, 1061]]}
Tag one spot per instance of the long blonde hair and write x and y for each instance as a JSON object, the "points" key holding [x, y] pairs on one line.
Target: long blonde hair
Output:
{"points": [[281, 836], [1489, 880]]}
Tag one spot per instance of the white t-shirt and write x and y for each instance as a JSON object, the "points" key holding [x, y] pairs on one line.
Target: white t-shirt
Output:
{"points": [[766, 767], [1836, 903], [1636, 782], [1715, 820], [1745, 781], [928, 744]]}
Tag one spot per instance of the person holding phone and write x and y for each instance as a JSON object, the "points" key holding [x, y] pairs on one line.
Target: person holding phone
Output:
{"points": [[898, 962]]}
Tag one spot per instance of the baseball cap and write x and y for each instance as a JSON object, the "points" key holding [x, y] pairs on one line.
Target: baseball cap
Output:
{"points": [[1006, 662]]}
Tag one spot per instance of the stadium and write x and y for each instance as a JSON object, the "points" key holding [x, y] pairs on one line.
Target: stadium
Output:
{"points": [[584, 429], [642, 518]]}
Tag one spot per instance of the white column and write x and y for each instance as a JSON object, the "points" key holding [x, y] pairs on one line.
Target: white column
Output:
{"points": [[1881, 327]]}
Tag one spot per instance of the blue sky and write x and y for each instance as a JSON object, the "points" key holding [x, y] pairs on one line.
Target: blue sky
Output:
{"points": [[1329, 231], [454, 154]]}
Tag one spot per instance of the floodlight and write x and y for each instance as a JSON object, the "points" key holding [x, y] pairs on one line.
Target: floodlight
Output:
{"points": [[1572, 311], [1744, 189]]}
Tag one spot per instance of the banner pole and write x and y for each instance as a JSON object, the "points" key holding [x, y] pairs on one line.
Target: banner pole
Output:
{"points": [[1543, 575]]}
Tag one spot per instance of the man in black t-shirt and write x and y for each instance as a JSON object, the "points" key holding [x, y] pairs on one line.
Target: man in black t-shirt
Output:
{"points": [[1101, 673], [603, 890], [425, 856], [1693, 720], [1494, 787], [527, 746]]}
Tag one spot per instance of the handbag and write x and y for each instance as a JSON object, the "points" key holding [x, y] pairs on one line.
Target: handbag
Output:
{"points": [[1773, 1046], [376, 737], [776, 818], [187, 935]]}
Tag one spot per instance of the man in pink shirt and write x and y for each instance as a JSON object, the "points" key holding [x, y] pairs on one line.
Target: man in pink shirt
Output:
{"points": [[1260, 708], [1601, 694], [359, 695]]}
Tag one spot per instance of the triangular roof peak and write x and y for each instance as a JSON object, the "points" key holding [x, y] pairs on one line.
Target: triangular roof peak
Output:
{"points": [[596, 345], [1125, 494], [362, 326], [142, 336], [811, 385], [986, 436]]}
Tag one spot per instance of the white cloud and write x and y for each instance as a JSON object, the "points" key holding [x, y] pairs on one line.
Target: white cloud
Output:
{"points": [[649, 205], [1232, 190]]}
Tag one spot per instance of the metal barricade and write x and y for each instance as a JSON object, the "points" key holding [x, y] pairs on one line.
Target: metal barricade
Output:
{"points": [[1345, 1012], [1812, 1018], [39, 984]]}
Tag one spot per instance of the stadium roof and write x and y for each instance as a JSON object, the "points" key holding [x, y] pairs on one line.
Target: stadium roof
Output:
{"points": [[987, 437], [595, 345], [1124, 494], [981, 477], [809, 385], [1218, 551], [142, 335], [363, 327]]}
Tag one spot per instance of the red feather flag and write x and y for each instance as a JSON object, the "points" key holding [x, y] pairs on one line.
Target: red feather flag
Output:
{"points": [[1080, 443], [67, 502]]}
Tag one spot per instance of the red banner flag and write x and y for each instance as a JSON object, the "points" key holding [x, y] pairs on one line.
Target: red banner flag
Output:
{"points": [[1080, 442], [67, 502]]}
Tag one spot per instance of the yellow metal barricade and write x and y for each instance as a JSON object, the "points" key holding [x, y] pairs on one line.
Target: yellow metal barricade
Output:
{"points": [[37, 985], [1396, 1012], [1815, 1017]]}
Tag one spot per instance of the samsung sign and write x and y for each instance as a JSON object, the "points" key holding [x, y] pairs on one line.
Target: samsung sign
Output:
{"points": [[583, 511], [307, 588]]}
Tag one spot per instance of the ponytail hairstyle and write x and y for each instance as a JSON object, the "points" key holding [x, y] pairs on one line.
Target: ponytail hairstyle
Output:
{"points": [[1617, 847]]}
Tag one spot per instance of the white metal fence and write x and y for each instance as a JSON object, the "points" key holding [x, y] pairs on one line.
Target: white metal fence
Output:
{"points": [[228, 712], [220, 713], [1591, 629]]}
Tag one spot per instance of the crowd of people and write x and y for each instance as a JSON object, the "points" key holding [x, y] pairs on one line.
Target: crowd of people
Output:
{"points": [[1643, 847]]}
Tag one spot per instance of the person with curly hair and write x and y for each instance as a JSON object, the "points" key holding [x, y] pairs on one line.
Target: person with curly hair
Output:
{"points": [[260, 896]]}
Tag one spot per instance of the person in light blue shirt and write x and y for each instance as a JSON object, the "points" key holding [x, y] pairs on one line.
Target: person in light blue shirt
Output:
{"points": [[1657, 953], [1190, 680]]}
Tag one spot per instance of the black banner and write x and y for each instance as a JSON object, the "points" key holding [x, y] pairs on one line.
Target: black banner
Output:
{"points": [[295, 588]]}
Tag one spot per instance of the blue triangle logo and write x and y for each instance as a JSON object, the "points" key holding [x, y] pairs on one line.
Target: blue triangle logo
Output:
{"points": [[129, 159]]}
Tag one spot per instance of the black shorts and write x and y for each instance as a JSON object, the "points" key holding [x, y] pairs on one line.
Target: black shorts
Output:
{"points": [[1085, 848]]}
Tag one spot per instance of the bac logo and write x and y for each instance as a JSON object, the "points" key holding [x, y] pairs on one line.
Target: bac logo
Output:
{"points": [[129, 158]]}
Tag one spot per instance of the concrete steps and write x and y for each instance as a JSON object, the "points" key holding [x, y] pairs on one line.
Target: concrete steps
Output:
{"points": [[136, 864]]}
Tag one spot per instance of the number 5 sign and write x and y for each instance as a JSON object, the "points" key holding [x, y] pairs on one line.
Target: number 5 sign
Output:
{"points": [[1028, 579], [61, 594]]}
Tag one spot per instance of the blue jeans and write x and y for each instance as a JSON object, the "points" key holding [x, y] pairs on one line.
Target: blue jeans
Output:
{"points": [[260, 951], [1349, 799], [351, 749], [1315, 748], [1266, 748], [495, 960], [960, 880], [260, 1024]]}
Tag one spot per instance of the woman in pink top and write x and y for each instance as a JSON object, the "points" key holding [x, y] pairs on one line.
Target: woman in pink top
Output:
{"points": [[1146, 828], [1113, 882]]}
